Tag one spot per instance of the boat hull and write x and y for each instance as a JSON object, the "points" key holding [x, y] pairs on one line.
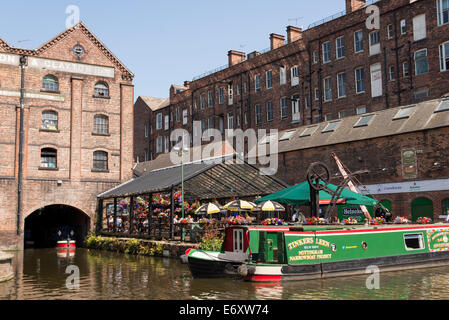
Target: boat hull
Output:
{"points": [[212, 269], [275, 273], [66, 244]]}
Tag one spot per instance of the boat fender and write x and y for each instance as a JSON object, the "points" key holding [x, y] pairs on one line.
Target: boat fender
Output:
{"points": [[245, 270], [184, 259]]}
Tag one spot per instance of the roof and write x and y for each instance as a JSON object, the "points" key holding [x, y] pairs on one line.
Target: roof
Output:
{"points": [[388, 122], [204, 180], [156, 103], [218, 149], [127, 73]]}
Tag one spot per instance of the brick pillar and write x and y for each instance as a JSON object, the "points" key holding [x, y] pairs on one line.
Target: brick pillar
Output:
{"points": [[126, 131], [76, 129], [276, 41]]}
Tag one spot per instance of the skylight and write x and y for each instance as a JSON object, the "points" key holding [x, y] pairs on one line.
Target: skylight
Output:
{"points": [[287, 135], [309, 131], [444, 106], [331, 126], [267, 139], [404, 113], [364, 121]]}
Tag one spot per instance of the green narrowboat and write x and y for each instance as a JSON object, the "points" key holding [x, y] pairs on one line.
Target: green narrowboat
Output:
{"points": [[311, 252]]}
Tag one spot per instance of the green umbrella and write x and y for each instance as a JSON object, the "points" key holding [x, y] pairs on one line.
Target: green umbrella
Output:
{"points": [[300, 195]]}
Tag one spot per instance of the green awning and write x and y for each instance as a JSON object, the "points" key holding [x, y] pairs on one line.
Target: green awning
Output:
{"points": [[300, 195]]}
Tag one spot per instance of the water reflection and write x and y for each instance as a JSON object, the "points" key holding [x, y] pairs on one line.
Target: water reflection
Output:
{"points": [[41, 274]]}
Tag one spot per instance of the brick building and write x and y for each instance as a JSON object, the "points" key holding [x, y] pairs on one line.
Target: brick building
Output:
{"points": [[335, 68], [65, 130]]}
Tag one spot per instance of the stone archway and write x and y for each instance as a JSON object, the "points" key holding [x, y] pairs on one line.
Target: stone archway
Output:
{"points": [[47, 225]]}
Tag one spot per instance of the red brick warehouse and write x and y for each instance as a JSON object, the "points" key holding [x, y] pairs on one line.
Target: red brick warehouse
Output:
{"points": [[77, 125]]}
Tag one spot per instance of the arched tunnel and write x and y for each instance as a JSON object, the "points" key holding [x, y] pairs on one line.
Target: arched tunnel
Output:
{"points": [[48, 225]]}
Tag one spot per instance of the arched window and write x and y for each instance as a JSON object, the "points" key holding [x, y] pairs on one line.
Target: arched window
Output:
{"points": [[445, 207], [49, 158], [50, 120], [50, 83], [101, 90], [100, 160], [101, 124]]}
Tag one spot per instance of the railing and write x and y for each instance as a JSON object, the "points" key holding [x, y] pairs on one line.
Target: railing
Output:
{"points": [[207, 73]]}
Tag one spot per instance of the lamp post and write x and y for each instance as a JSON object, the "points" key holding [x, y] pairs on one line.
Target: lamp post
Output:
{"points": [[181, 151]]}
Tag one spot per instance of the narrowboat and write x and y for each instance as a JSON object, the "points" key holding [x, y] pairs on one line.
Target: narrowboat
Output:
{"points": [[312, 252]]}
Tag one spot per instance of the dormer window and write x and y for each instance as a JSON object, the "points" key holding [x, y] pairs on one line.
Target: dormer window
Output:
{"points": [[101, 90]]}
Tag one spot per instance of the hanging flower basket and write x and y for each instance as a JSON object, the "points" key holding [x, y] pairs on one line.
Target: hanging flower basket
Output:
{"points": [[273, 222], [239, 220]]}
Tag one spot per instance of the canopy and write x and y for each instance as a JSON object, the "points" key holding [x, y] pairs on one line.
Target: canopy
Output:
{"points": [[300, 195]]}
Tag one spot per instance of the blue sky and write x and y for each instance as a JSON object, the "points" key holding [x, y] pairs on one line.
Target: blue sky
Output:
{"points": [[165, 42]]}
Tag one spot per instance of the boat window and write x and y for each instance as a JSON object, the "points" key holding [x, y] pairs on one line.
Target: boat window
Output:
{"points": [[414, 241]]}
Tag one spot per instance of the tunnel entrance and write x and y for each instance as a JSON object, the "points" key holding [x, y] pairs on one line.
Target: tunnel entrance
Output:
{"points": [[48, 225]]}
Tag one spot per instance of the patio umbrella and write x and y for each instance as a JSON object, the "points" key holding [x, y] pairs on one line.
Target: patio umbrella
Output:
{"points": [[238, 205], [300, 195], [209, 208], [270, 206]]}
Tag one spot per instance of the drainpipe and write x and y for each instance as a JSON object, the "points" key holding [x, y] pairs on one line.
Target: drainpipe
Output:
{"points": [[21, 138]]}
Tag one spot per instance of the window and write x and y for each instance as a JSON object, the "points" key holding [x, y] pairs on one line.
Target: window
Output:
{"points": [[405, 71], [50, 83], [257, 83], [178, 114], [270, 111], [101, 124], [328, 117], [314, 57], [341, 114], [230, 120], [445, 207], [203, 126], [269, 79], [49, 158], [317, 94], [50, 120], [444, 106], [404, 113], [309, 131], [326, 52], [360, 80], [287, 135], [306, 102], [391, 73], [101, 89], [443, 12], [294, 76], [210, 99], [374, 43], [419, 27], [403, 27], [358, 41], [364, 121], [444, 56], [414, 241], [238, 90], [327, 89], [202, 101], [221, 95], [184, 117], [283, 75], [258, 114], [340, 47], [341, 84], [210, 123], [284, 108], [421, 93], [167, 122], [159, 121], [166, 144], [361, 110], [421, 63], [296, 115], [230, 95], [100, 160], [390, 31], [331, 126]]}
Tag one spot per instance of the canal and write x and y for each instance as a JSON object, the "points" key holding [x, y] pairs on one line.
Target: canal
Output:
{"points": [[41, 275]]}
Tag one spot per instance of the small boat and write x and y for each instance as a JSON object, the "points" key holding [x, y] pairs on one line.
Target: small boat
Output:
{"points": [[303, 253], [66, 244]]}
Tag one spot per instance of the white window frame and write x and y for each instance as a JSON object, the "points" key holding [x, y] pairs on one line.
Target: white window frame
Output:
{"points": [[269, 79], [159, 121], [270, 104], [404, 69], [220, 95], [403, 26], [284, 107], [327, 49], [444, 56], [159, 145], [230, 117], [427, 61], [356, 42], [184, 117], [282, 75], [166, 122], [362, 80], [390, 31], [340, 95], [257, 108], [327, 88], [230, 95], [419, 27], [296, 109], [294, 73], [340, 46], [257, 83], [210, 99], [440, 12], [374, 48]]}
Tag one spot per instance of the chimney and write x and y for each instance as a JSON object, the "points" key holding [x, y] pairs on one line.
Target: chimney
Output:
{"points": [[353, 5], [235, 57], [293, 34], [276, 41], [187, 84]]}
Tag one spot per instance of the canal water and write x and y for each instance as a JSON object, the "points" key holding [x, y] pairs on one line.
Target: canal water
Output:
{"points": [[41, 275]]}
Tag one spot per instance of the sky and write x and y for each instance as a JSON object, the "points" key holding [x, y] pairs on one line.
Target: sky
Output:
{"points": [[165, 42]]}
